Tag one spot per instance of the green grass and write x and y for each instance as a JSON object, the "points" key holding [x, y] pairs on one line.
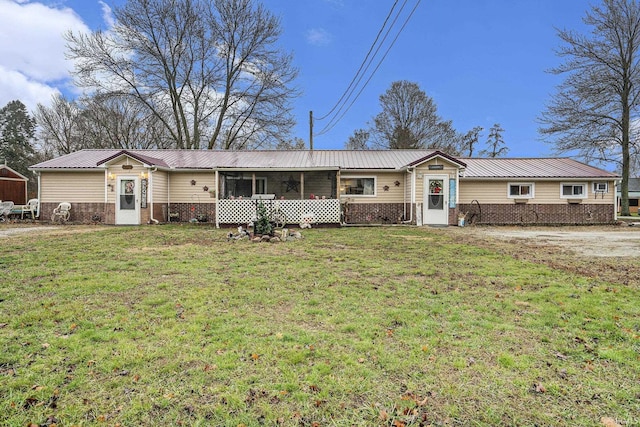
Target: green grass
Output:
{"points": [[173, 325]]}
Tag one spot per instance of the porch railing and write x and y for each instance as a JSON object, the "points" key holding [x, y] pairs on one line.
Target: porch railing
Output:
{"points": [[324, 211]]}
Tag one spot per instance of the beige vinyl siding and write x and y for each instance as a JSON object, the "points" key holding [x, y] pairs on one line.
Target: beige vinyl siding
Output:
{"points": [[545, 192], [160, 182], [182, 191], [115, 170], [394, 194], [449, 169], [73, 187]]}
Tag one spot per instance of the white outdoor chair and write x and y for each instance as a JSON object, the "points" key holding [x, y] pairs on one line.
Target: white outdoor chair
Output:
{"points": [[5, 210], [30, 208], [62, 213]]}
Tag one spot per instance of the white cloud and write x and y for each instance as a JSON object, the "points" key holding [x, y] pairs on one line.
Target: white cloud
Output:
{"points": [[15, 85], [107, 14], [318, 37], [33, 64]]}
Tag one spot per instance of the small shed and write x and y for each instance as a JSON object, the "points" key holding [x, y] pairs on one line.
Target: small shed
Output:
{"points": [[13, 186], [634, 195]]}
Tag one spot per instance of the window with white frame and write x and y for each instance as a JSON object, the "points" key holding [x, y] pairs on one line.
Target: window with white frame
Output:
{"points": [[520, 190], [358, 186], [600, 187], [573, 190]]}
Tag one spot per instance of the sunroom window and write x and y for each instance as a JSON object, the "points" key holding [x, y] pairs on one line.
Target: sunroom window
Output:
{"points": [[242, 186], [358, 186]]}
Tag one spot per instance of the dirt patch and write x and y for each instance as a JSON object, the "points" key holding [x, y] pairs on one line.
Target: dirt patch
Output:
{"points": [[615, 241], [603, 254], [10, 230]]}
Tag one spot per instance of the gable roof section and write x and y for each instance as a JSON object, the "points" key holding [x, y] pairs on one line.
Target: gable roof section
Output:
{"points": [[501, 168], [437, 154], [148, 160], [6, 173]]}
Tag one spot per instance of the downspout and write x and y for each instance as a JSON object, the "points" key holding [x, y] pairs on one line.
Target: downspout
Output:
{"points": [[106, 187], [411, 197], [616, 199], [168, 197], [150, 194], [39, 193]]}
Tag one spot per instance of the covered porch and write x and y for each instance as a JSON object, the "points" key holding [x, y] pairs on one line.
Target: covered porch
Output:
{"points": [[290, 196]]}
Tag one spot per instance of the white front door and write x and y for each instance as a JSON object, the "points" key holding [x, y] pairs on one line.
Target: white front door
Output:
{"points": [[436, 200], [128, 201]]}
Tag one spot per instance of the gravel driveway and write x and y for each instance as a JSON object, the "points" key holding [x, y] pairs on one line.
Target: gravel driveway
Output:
{"points": [[613, 241], [12, 231]]}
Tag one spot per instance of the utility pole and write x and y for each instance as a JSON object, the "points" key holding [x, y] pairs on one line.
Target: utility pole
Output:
{"points": [[311, 130]]}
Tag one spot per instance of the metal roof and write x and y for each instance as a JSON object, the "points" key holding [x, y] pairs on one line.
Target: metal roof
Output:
{"points": [[532, 168], [492, 168], [259, 159]]}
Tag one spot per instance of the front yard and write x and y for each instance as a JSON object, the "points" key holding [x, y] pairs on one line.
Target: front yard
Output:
{"points": [[174, 325]]}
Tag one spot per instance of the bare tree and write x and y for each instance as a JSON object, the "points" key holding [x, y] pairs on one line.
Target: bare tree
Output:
{"points": [[208, 70], [97, 122], [409, 119], [60, 127], [291, 144], [470, 140], [116, 122], [358, 140], [495, 143], [592, 112]]}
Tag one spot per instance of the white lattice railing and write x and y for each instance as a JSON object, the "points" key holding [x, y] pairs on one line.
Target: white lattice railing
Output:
{"points": [[324, 211]]}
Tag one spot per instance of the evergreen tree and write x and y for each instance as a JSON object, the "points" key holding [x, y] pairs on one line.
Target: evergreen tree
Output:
{"points": [[17, 130]]}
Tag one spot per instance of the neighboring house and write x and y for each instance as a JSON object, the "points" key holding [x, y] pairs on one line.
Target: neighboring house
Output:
{"points": [[330, 186], [13, 186], [634, 195]]}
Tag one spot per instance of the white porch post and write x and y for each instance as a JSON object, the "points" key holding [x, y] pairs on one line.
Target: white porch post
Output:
{"points": [[217, 205], [301, 185], [253, 183]]}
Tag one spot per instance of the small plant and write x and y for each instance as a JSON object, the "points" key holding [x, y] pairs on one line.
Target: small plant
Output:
{"points": [[262, 224]]}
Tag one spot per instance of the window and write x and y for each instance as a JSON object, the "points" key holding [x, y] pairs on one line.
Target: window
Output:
{"points": [[633, 203], [600, 187], [521, 190], [573, 190], [242, 186], [358, 186]]}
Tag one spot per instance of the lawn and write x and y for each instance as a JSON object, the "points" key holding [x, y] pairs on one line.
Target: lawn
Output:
{"points": [[175, 325]]}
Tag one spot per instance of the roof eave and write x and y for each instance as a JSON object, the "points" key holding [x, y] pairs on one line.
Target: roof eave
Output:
{"points": [[539, 178]]}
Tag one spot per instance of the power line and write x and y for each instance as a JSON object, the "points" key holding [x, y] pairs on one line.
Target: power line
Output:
{"points": [[336, 119], [360, 77], [384, 24]]}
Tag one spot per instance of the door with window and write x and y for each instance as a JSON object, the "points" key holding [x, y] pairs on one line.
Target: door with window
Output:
{"points": [[128, 201], [436, 200]]}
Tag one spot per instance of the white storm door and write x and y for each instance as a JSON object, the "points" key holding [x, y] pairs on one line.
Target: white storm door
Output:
{"points": [[128, 201], [436, 200]]}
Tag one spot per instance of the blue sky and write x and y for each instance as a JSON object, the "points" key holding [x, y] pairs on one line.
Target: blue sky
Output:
{"points": [[482, 61]]}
